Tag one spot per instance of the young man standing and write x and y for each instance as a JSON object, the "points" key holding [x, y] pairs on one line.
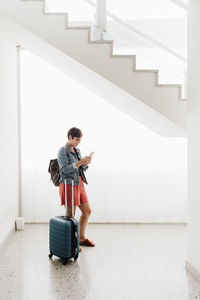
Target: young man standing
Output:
{"points": [[72, 165]]}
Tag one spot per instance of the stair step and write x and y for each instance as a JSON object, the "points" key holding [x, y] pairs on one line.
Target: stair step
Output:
{"points": [[98, 56]]}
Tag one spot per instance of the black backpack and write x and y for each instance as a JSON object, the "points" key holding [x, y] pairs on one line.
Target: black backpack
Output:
{"points": [[54, 171]]}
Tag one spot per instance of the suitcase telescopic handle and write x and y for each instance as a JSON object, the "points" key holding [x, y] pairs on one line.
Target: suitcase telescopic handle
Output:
{"points": [[72, 195]]}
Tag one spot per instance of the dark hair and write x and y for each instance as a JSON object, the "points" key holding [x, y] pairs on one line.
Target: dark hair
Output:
{"points": [[74, 132]]}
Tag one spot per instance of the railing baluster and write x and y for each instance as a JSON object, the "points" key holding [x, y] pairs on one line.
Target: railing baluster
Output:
{"points": [[101, 17]]}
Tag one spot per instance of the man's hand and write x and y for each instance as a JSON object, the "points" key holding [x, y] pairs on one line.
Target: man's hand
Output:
{"points": [[89, 161], [86, 160]]}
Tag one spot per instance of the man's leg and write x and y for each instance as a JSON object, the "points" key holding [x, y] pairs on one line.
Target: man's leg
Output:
{"points": [[86, 211]]}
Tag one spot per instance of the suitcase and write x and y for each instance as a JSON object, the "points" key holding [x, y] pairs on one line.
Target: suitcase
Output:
{"points": [[64, 234]]}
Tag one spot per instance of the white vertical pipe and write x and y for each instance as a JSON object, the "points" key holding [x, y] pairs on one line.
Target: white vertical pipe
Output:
{"points": [[185, 83], [19, 129]]}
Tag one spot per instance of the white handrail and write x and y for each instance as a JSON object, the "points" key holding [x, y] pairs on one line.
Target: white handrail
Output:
{"points": [[141, 33], [180, 3]]}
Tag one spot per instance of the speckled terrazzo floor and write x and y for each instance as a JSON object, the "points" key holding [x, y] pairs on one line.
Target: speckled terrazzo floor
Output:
{"points": [[136, 262]]}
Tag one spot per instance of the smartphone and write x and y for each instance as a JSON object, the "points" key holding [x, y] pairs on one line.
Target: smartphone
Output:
{"points": [[91, 154]]}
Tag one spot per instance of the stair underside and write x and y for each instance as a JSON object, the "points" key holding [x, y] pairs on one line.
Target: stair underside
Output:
{"points": [[98, 56]]}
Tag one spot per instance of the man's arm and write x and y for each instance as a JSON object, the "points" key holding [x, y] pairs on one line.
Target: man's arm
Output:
{"points": [[63, 162]]}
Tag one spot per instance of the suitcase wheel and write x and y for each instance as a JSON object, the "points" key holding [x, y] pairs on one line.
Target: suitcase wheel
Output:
{"points": [[50, 255], [65, 261]]}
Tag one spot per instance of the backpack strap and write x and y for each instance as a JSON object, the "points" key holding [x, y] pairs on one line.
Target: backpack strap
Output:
{"points": [[66, 149]]}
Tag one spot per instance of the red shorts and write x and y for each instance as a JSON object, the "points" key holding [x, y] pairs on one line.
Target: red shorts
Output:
{"points": [[80, 196]]}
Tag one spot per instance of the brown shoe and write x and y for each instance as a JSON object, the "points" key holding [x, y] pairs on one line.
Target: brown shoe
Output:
{"points": [[87, 243], [80, 249]]}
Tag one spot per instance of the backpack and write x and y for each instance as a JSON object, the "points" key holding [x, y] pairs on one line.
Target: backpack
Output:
{"points": [[54, 171]]}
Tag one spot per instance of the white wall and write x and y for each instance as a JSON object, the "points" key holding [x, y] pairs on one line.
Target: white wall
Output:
{"points": [[43, 197], [136, 175], [194, 135], [8, 133]]}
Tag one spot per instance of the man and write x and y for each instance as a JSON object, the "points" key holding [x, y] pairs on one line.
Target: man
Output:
{"points": [[73, 165]]}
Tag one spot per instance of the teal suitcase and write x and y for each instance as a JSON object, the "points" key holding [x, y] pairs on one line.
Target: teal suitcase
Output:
{"points": [[64, 235]]}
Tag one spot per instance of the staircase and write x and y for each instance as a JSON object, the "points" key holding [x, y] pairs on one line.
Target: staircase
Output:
{"points": [[98, 56]]}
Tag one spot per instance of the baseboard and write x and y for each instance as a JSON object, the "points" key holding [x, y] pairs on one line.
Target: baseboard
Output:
{"points": [[139, 223], [194, 273], [6, 240], [36, 222], [120, 223]]}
